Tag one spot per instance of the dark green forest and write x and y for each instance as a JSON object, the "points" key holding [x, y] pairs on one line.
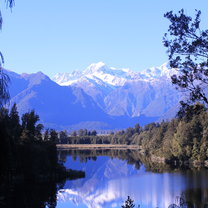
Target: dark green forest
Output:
{"points": [[30, 172], [24, 152], [183, 139]]}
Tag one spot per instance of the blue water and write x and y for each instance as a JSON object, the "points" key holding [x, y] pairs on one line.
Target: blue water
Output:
{"points": [[109, 181]]}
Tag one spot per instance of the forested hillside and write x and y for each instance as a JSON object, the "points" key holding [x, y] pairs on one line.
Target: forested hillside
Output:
{"points": [[182, 140]]}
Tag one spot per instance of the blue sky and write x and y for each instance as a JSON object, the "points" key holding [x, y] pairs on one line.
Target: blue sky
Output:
{"points": [[66, 35]]}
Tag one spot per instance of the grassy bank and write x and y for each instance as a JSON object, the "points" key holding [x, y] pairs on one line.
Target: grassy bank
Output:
{"points": [[97, 146]]}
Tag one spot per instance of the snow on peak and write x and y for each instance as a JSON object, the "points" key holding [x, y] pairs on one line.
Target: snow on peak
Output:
{"points": [[98, 72], [157, 72], [101, 73], [95, 67]]}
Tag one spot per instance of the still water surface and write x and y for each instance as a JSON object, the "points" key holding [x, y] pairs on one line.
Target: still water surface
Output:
{"points": [[110, 180]]}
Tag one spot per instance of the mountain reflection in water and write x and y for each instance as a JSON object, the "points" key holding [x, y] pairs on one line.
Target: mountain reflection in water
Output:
{"points": [[117, 174]]}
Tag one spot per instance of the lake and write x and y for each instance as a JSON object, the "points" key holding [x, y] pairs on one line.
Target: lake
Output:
{"points": [[112, 175]]}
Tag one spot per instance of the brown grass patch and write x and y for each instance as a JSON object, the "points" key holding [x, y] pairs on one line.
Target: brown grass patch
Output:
{"points": [[96, 146]]}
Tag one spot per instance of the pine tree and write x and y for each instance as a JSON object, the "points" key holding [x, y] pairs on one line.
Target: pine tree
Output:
{"points": [[129, 203], [14, 125]]}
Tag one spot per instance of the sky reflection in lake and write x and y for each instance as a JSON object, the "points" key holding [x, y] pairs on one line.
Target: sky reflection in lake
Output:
{"points": [[109, 181]]}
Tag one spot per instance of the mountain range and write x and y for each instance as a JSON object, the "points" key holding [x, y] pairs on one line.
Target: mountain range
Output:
{"points": [[100, 97]]}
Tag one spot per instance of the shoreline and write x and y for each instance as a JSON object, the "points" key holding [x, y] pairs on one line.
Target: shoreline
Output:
{"points": [[153, 158], [96, 146]]}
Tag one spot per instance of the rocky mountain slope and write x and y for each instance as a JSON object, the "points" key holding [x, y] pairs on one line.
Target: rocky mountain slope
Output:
{"points": [[100, 97], [125, 92]]}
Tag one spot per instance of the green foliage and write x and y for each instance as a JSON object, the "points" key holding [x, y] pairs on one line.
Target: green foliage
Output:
{"points": [[184, 139], [63, 137], [187, 49], [93, 133], [188, 111], [29, 167], [31, 131], [23, 151], [180, 141], [53, 136], [84, 132]]}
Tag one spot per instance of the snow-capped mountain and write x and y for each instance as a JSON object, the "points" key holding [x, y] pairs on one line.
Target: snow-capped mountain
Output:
{"points": [[99, 97], [163, 71], [121, 92], [101, 73]]}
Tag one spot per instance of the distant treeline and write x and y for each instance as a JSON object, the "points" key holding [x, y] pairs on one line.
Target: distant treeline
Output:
{"points": [[182, 140], [83, 136]]}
